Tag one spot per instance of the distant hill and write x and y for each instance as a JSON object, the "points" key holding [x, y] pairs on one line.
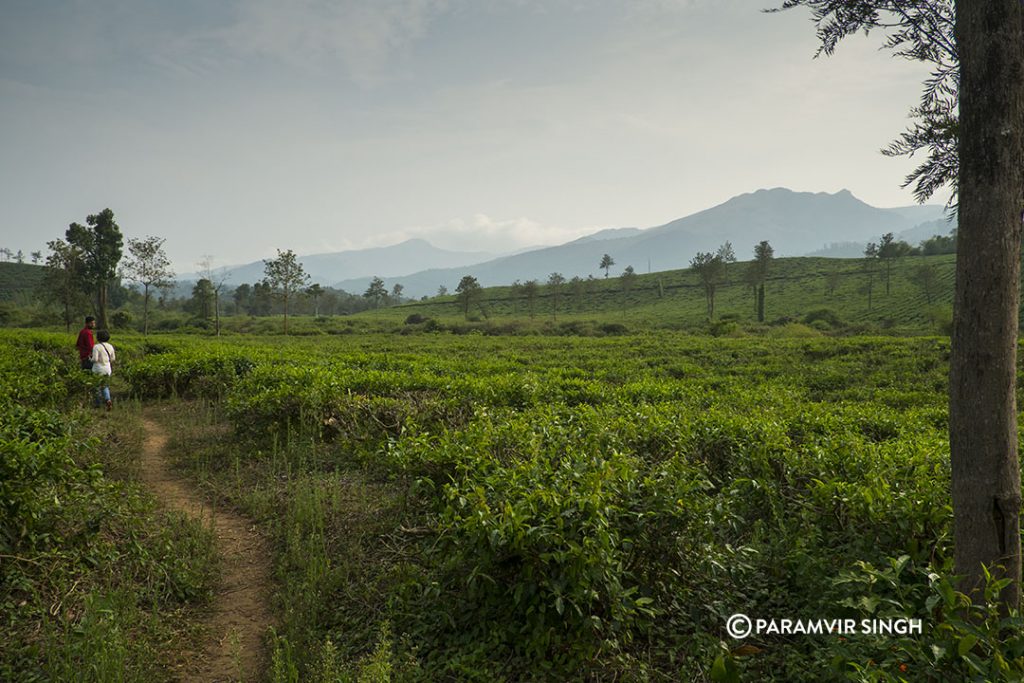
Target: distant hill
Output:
{"points": [[914, 236], [798, 289], [794, 222], [328, 269]]}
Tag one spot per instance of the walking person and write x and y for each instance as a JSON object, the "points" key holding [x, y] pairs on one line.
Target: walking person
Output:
{"points": [[86, 342], [102, 360]]}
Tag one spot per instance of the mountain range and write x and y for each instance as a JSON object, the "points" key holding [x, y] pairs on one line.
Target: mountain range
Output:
{"points": [[795, 223]]}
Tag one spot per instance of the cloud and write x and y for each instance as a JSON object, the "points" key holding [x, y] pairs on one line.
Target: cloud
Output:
{"points": [[362, 37], [484, 233]]}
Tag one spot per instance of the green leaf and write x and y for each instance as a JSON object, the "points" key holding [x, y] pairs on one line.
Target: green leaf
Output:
{"points": [[966, 644]]}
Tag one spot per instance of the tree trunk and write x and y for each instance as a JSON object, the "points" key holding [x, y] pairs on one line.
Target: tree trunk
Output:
{"points": [[760, 303], [101, 306], [982, 402], [145, 310]]}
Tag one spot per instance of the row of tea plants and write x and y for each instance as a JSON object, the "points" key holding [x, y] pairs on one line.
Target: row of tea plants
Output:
{"points": [[535, 508]]}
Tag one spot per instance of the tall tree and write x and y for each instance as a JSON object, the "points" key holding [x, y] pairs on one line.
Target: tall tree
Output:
{"points": [[396, 292], [64, 278], [147, 265], [555, 282], [315, 291], [101, 243], [890, 249], [927, 278], [757, 274], [627, 280], [376, 292], [983, 407], [217, 277], [243, 298], [468, 293], [870, 258], [710, 268], [530, 290], [285, 276], [969, 120], [606, 262], [201, 303], [37, 256], [576, 287]]}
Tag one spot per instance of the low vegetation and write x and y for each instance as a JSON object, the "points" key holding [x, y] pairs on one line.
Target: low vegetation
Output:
{"points": [[95, 583], [479, 508]]}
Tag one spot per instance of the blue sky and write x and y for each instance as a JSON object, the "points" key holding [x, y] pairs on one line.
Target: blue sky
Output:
{"points": [[233, 127]]}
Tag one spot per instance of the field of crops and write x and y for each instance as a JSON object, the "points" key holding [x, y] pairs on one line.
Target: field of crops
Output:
{"points": [[477, 508], [449, 507]]}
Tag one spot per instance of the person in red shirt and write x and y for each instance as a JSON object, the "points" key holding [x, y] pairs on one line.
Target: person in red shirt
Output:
{"points": [[86, 342]]}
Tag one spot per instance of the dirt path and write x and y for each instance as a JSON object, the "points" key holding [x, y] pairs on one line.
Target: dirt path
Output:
{"points": [[240, 614]]}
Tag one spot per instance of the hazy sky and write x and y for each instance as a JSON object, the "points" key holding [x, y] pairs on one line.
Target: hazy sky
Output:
{"points": [[234, 127]]}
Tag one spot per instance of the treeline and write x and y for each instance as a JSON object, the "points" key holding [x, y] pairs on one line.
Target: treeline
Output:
{"points": [[94, 271]]}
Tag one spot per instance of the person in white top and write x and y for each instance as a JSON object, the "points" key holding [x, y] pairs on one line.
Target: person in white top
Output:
{"points": [[103, 357]]}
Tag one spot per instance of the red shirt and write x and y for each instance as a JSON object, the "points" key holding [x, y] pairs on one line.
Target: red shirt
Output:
{"points": [[85, 343]]}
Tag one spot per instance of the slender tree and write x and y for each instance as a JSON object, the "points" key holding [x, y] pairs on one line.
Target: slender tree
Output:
{"points": [[100, 243], [711, 270], [555, 282], [469, 292], [37, 257], [64, 279], [531, 288], [927, 278], [201, 302], [757, 274], [576, 287], [606, 262], [285, 276], [315, 291], [218, 278], [376, 292], [626, 281], [147, 265]]}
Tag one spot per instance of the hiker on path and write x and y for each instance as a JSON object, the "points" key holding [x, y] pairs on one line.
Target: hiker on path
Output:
{"points": [[86, 342], [102, 360]]}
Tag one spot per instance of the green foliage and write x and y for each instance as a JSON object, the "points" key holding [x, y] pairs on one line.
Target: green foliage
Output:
{"points": [[92, 579], [546, 508]]}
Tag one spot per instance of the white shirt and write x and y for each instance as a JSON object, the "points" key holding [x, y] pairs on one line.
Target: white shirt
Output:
{"points": [[102, 356]]}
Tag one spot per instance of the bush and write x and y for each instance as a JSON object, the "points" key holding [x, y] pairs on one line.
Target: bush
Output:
{"points": [[827, 316]]}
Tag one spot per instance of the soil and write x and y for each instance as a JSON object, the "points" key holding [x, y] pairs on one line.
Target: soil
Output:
{"points": [[239, 614]]}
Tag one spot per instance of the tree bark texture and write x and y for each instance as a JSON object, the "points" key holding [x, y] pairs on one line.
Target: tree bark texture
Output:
{"points": [[982, 401]]}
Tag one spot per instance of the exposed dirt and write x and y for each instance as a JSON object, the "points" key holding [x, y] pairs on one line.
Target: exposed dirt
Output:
{"points": [[240, 615]]}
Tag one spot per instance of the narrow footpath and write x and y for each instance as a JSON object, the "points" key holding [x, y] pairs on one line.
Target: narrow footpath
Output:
{"points": [[240, 614]]}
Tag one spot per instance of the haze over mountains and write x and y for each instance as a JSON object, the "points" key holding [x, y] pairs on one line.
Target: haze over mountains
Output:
{"points": [[796, 224], [399, 259]]}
